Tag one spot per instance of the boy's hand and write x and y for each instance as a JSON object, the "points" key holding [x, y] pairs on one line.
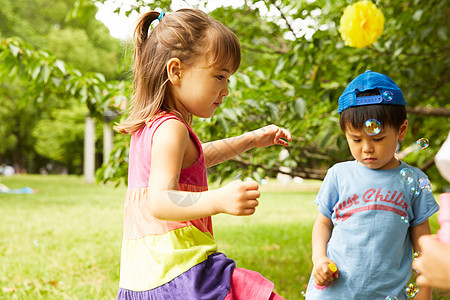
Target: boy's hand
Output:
{"points": [[271, 135], [238, 198], [322, 274]]}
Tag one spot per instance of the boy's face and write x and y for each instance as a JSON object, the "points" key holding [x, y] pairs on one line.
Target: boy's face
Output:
{"points": [[376, 151]]}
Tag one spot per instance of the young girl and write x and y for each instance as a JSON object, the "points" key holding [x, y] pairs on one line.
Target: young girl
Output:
{"points": [[181, 69]]}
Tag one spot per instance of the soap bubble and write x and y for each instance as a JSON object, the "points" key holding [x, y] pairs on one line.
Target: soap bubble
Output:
{"points": [[412, 289], [406, 176], [417, 254], [415, 191], [387, 95], [404, 219], [422, 143], [425, 185], [390, 298], [303, 293], [372, 127]]}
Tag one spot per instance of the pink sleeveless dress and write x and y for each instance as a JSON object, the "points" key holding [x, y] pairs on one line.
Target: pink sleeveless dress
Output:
{"points": [[175, 260]]}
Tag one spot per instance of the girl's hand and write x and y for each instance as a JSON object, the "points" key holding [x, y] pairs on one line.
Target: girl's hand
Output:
{"points": [[433, 264], [237, 198], [271, 135], [322, 274]]}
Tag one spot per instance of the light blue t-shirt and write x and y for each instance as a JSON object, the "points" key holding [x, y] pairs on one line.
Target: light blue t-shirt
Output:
{"points": [[372, 212]]}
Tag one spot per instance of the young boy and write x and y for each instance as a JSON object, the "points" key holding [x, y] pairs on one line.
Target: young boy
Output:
{"points": [[371, 210]]}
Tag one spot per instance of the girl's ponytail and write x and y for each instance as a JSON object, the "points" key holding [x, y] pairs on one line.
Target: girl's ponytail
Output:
{"points": [[142, 105], [141, 31]]}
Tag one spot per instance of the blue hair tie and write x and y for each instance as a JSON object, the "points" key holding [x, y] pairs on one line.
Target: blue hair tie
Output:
{"points": [[161, 15]]}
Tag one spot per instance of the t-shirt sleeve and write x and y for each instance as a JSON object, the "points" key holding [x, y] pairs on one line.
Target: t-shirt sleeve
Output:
{"points": [[328, 194], [424, 205]]}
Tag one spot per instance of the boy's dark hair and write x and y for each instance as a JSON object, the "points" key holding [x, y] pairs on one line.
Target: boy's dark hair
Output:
{"points": [[388, 115]]}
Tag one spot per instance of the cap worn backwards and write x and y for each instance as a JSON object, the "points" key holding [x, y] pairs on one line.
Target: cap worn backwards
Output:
{"points": [[389, 92]]}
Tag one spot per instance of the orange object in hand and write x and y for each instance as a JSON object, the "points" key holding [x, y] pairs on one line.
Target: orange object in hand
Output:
{"points": [[333, 269]]}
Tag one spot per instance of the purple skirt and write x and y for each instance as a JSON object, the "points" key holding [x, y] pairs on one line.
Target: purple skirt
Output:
{"points": [[207, 280]]}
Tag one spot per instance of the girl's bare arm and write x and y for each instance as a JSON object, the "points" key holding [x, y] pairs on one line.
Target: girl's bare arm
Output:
{"points": [[219, 151]]}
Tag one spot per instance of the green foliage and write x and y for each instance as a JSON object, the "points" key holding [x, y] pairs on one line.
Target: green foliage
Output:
{"points": [[116, 168], [31, 19], [293, 78], [6, 128], [296, 83], [50, 76], [84, 43], [65, 44], [159, 5], [60, 137], [294, 67], [46, 59], [52, 84], [17, 121]]}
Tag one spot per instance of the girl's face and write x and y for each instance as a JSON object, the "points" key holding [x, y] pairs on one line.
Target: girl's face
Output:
{"points": [[375, 151], [200, 88]]}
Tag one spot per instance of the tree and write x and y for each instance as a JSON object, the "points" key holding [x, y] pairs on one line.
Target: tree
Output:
{"points": [[294, 67], [44, 67], [293, 78], [60, 136]]}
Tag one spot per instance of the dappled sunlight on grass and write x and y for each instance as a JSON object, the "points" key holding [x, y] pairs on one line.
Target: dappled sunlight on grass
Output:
{"points": [[61, 243]]}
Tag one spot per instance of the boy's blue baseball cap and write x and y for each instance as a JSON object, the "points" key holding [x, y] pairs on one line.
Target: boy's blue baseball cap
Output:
{"points": [[390, 93]]}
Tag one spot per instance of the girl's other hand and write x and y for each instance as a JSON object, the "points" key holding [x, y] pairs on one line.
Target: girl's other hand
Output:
{"points": [[271, 135], [433, 263], [322, 274], [237, 198]]}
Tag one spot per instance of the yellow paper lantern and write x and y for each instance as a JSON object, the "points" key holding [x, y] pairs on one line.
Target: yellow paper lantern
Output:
{"points": [[361, 24]]}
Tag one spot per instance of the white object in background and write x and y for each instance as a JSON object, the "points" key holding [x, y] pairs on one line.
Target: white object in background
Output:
{"points": [[442, 159]]}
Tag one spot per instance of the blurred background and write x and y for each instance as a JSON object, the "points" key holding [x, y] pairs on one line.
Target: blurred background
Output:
{"points": [[66, 79]]}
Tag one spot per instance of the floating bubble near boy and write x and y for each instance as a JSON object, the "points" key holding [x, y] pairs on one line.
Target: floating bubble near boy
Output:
{"points": [[390, 298], [404, 219], [416, 255], [415, 191], [423, 143], [425, 185], [388, 95], [406, 176], [419, 145], [372, 127], [411, 290]]}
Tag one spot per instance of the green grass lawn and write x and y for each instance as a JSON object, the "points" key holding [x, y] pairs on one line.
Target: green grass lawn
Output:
{"points": [[64, 242]]}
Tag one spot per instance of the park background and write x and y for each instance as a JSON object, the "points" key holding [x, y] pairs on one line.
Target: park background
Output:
{"points": [[59, 66]]}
